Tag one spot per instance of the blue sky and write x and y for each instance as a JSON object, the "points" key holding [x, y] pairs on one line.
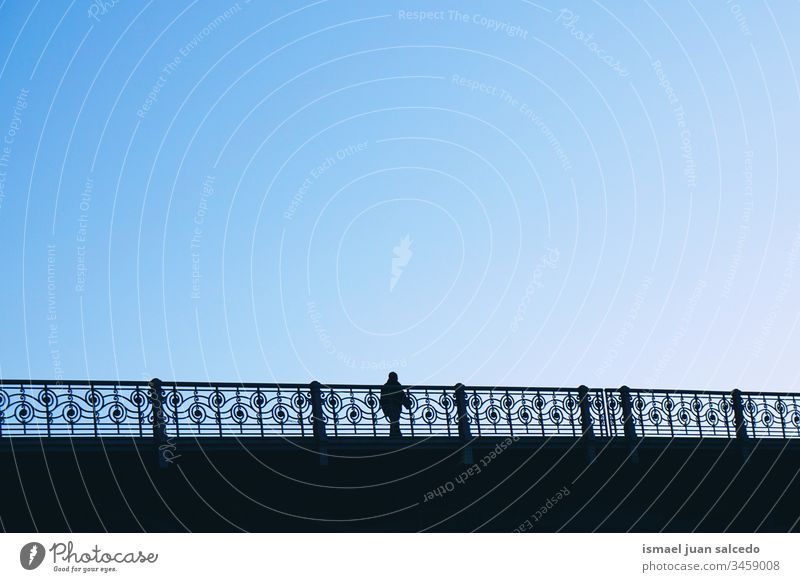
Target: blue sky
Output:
{"points": [[510, 193]]}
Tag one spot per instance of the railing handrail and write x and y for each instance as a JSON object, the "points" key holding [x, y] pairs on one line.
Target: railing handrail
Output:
{"points": [[18, 382], [344, 386]]}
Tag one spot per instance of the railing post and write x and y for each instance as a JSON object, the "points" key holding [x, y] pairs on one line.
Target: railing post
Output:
{"points": [[318, 422], [156, 394], [739, 424], [628, 424], [587, 432], [464, 432]]}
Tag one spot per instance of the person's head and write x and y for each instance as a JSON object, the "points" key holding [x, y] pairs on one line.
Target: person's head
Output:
{"points": [[392, 376]]}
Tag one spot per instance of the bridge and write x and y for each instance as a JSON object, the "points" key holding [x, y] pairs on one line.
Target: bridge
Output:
{"points": [[165, 456]]}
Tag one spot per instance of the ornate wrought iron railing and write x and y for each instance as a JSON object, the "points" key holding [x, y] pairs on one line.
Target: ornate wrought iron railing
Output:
{"points": [[187, 409]]}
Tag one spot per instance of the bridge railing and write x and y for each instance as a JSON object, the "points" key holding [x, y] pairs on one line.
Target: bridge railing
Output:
{"points": [[206, 410], [351, 410], [771, 414], [76, 408], [543, 412], [663, 413], [186, 409]]}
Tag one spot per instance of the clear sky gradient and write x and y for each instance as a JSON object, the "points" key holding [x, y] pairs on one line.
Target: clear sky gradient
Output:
{"points": [[500, 193]]}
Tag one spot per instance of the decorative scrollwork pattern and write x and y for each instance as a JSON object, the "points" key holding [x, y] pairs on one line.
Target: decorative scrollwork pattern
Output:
{"points": [[771, 415], [356, 411], [683, 414], [66, 410], [524, 412], [232, 411], [125, 409]]}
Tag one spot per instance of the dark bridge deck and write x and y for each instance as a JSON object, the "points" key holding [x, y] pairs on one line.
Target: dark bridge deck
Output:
{"points": [[128, 456]]}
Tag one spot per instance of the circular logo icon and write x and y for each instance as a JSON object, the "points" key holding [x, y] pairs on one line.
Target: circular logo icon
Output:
{"points": [[31, 555]]}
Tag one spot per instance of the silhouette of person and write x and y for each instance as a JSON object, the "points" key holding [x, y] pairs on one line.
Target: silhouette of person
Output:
{"points": [[393, 398]]}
